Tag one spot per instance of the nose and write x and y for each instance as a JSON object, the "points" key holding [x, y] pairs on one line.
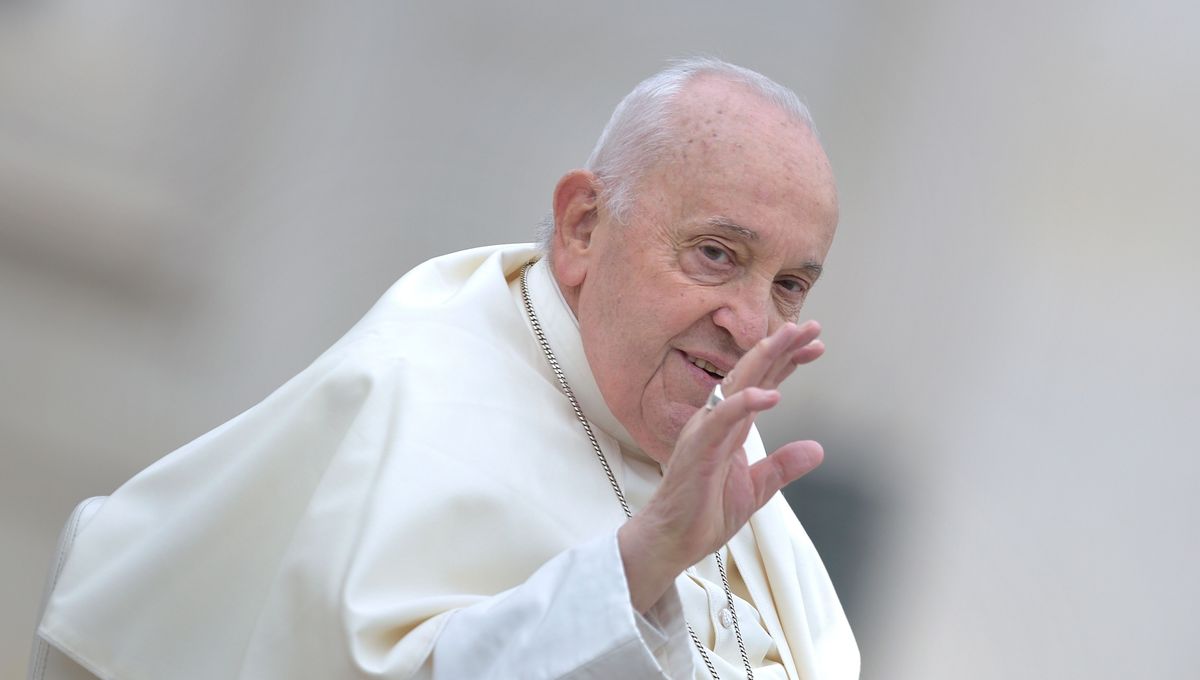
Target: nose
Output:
{"points": [[746, 313]]}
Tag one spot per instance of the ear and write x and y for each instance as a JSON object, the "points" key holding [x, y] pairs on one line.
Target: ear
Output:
{"points": [[576, 214]]}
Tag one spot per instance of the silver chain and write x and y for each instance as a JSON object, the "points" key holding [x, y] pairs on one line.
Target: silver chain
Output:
{"points": [[612, 479]]}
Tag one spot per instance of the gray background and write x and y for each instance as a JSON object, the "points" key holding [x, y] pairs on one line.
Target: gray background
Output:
{"points": [[197, 199]]}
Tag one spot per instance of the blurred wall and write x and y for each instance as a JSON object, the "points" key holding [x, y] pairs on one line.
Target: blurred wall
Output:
{"points": [[196, 200]]}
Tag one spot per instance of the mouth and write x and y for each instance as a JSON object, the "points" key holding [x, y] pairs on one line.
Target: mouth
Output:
{"points": [[706, 366]]}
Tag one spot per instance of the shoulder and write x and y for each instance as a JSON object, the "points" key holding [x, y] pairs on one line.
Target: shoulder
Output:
{"points": [[450, 310]]}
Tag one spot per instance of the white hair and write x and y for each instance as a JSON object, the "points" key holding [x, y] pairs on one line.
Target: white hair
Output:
{"points": [[640, 130]]}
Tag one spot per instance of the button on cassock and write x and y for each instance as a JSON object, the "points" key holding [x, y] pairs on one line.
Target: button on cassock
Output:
{"points": [[725, 617]]}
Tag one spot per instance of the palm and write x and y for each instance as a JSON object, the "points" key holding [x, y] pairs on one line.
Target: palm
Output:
{"points": [[709, 490]]}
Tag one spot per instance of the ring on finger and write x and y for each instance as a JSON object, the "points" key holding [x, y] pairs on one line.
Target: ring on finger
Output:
{"points": [[714, 398]]}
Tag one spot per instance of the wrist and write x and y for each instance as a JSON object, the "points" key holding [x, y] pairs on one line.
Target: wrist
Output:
{"points": [[650, 568]]}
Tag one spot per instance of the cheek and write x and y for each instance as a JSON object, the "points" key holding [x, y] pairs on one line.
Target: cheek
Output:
{"points": [[632, 352]]}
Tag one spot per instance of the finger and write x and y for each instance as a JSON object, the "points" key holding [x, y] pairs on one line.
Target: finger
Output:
{"points": [[803, 345], [787, 464], [755, 364], [714, 428], [809, 353], [735, 437], [806, 354], [735, 434]]}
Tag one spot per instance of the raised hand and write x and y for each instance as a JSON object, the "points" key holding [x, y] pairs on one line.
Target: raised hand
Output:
{"points": [[709, 491]]}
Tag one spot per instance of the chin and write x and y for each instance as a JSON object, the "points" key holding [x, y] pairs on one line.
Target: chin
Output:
{"points": [[666, 431]]}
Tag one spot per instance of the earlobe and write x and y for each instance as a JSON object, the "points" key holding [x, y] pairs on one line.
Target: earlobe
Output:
{"points": [[576, 199]]}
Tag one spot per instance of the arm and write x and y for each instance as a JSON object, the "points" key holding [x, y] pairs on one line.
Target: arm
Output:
{"points": [[571, 619]]}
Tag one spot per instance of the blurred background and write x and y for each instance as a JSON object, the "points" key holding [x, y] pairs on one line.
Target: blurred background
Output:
{"points": [[196, 199]]}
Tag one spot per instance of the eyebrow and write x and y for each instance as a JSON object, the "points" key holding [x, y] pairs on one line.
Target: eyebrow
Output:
{"points": [[725, 224], [814, 269]]}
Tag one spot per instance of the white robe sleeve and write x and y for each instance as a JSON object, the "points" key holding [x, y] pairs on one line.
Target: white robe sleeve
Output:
{"points": [[571, 619]]}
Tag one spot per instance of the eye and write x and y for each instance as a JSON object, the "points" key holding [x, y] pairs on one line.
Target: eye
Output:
{"points": [[715, 253], [792, 286], [709, 261], [790, 296]]}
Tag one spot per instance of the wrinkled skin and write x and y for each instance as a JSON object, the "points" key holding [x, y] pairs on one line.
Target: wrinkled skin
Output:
{"points": [[703, 284]]}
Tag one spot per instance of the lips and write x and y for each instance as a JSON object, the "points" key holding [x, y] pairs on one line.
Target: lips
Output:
{"points": [[706, 366]]}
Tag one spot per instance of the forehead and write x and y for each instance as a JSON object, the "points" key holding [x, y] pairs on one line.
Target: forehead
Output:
{"points": [[739, 159]]}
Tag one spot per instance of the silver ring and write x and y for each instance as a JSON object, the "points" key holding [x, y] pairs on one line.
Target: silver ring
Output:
{"points": [[715, 398]]}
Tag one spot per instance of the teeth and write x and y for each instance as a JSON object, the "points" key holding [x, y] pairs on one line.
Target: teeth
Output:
{"points": [[707, 366]]}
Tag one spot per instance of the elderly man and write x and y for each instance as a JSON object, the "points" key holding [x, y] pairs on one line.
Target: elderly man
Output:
{"points": [[513, 466]]}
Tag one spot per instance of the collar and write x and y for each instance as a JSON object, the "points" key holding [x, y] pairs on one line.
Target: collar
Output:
{"points": [[562, 332]]}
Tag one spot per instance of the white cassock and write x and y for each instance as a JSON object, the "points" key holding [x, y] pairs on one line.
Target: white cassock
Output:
{"points": [[422, 502]]}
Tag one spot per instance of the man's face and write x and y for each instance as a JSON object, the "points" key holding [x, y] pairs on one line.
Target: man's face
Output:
{"points": [[726, 237]]}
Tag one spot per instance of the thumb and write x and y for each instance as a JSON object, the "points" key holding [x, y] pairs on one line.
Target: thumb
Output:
{"points": [[787, 464]]}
